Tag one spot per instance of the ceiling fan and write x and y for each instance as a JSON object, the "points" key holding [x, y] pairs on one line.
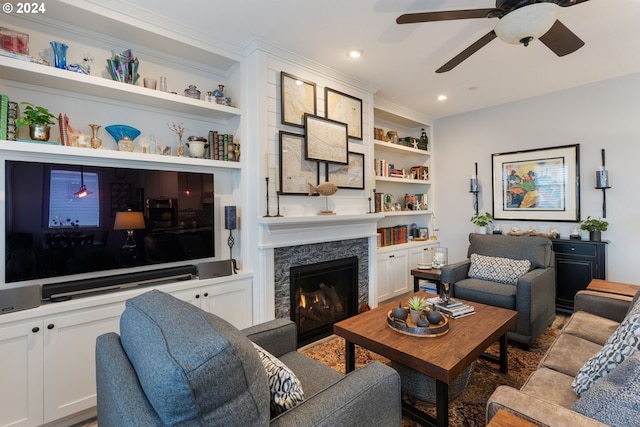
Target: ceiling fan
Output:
{"points": [[520, 21]]}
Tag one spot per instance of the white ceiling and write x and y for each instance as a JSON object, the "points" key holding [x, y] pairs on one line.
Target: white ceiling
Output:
{"points": [[400, 60]]}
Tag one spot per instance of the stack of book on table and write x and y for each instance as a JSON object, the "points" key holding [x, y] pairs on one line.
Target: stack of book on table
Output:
{"points": [[454, 309]]}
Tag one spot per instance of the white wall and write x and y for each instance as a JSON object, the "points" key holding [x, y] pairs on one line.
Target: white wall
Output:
{"points": [[596, 116]]}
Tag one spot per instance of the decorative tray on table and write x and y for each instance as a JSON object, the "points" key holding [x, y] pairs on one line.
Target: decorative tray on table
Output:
{"points": [[409, 328]]}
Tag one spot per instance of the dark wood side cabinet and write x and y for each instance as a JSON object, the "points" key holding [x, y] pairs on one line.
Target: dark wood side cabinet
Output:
{"points": [[577, 262]]}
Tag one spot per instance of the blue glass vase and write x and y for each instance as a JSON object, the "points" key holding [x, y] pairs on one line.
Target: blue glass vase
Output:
{"points": [[59, 54], [123, 135]]}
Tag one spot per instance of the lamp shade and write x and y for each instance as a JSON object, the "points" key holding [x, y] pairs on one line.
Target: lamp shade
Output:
{"points": [[129, 220], [526, 23], [230, 217]]}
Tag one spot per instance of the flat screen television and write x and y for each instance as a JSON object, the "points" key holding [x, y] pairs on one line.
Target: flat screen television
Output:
{"points": [[65, 220]]}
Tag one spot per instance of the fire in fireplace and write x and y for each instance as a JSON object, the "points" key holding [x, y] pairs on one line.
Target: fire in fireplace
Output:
{"points": [[322, 294]]}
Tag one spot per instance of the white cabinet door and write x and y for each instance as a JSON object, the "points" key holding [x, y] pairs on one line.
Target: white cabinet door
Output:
{"points": [[393, 274], [21, 375], [421, 254], [69, 358], [232, 301], [399, 273], [192, 296]]}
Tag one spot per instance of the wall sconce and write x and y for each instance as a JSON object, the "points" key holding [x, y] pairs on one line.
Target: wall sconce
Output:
{"points": [[474, 188], [602, 183], [230, 223], [129, 221]]}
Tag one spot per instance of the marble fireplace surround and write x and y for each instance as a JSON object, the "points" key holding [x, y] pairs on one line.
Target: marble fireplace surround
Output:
{"points": [[287, 241]]}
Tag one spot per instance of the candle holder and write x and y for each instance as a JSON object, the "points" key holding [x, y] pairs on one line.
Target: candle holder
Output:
{"points": [[267, 215], [474, 188], [230, 223], [602, 183]]}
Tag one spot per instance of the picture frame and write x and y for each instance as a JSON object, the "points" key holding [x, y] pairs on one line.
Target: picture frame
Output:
{"points": [[537, 185], [344, 108], [295, 171], [297, 97], [325, 140], [348, 176]]}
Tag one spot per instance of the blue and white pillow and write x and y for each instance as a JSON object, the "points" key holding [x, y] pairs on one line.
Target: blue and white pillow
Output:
{"points": [[286, 390], [496, 269], [622, 344]]}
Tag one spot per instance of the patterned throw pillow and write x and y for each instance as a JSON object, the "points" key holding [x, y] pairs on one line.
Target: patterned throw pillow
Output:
{"points": [[624, 342], [496, 269], [286, 390]]}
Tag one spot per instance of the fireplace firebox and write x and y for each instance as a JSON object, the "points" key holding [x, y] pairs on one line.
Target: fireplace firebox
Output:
{"points": [[322, 294]]}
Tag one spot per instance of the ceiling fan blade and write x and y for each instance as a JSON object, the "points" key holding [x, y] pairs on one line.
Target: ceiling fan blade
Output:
{"points": [[484, 40], [446, 15], [567, 3], [561, 40]]}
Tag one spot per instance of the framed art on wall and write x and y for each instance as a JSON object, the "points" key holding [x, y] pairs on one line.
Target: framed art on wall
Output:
{"points": [[344, 108], [296, 173], [325, 139], [541, 184], [348, 176], [297, 97]]}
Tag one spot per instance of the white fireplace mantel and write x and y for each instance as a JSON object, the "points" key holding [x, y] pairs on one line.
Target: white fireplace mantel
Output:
{"points": [[277, 232]]}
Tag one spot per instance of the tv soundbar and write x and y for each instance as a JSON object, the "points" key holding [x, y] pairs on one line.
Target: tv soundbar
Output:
{"points": [[64, 291]]}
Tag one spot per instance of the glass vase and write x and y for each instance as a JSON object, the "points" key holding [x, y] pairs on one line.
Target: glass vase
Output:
{"points": [[59, 54], [95, 141]]}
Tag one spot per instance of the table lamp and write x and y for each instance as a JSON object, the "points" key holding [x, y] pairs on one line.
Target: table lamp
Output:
{"points": [[129, 221], [230, 223]]}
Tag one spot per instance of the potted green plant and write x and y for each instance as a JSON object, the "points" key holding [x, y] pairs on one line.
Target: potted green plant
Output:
{"points": [[595, 227], [416, 305], [38, 119], [482, 221]]}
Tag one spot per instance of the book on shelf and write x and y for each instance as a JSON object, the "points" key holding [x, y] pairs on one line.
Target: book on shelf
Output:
{"points": [[453, 308]]}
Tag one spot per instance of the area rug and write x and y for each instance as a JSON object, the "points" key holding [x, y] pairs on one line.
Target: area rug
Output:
{"points": [[470, 407]]}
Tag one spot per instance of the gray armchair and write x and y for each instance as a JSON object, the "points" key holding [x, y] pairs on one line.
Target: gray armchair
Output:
{"points": [[174, 364], [534, 294]]}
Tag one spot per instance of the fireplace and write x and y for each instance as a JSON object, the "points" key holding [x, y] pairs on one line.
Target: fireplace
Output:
{"points": [[322, 294]]}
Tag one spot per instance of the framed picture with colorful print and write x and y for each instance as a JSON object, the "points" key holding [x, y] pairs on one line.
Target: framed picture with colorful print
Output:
{"points": [[540, 184]]}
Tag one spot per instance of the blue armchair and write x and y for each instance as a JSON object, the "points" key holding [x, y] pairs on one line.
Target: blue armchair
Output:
{"points": [[174, 364]]}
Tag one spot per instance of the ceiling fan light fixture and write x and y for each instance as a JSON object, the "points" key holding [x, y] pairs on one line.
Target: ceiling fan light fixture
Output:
{"points": [[527, 23]]}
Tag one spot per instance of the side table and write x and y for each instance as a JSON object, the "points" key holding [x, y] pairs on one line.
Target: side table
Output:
{"points": [[613, 287], [503, 418], [434, 275]]}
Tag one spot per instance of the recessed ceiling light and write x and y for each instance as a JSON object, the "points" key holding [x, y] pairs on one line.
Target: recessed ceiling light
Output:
{"points": [[355, 53], [442, 97]]}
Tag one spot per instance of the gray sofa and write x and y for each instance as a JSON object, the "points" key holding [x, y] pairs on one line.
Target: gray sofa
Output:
{"points": [[174, 364], [534, 294], [547, 397]]}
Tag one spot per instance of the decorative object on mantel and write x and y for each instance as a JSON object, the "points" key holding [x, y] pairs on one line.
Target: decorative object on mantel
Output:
{"points": [[95, 141], [123, 135], [533, 232], [267, 215], [325, 189], [474, 188], [192, 92], [59, 54], [230, 223], [595, 227], [602, 183], [197, 145], [38, 119], [178, 129], [123, 67]]}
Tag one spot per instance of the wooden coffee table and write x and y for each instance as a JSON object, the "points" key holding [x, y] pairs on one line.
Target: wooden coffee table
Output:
{"points": [[433, 274], [441, 358]]}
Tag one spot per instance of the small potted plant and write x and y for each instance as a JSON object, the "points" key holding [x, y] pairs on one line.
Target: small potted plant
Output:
{"points": [[38, 119], [595, 227], [482, 221], [416, 305]]}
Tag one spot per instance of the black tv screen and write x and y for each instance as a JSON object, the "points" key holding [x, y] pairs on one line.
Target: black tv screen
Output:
{"points": [[59, 219]]}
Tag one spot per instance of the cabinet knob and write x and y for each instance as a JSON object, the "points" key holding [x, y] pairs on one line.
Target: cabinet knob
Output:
{"points": [[35, 329], [50, 326], [206, 294], [392, 256], [573, 248], [197, 296]]}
